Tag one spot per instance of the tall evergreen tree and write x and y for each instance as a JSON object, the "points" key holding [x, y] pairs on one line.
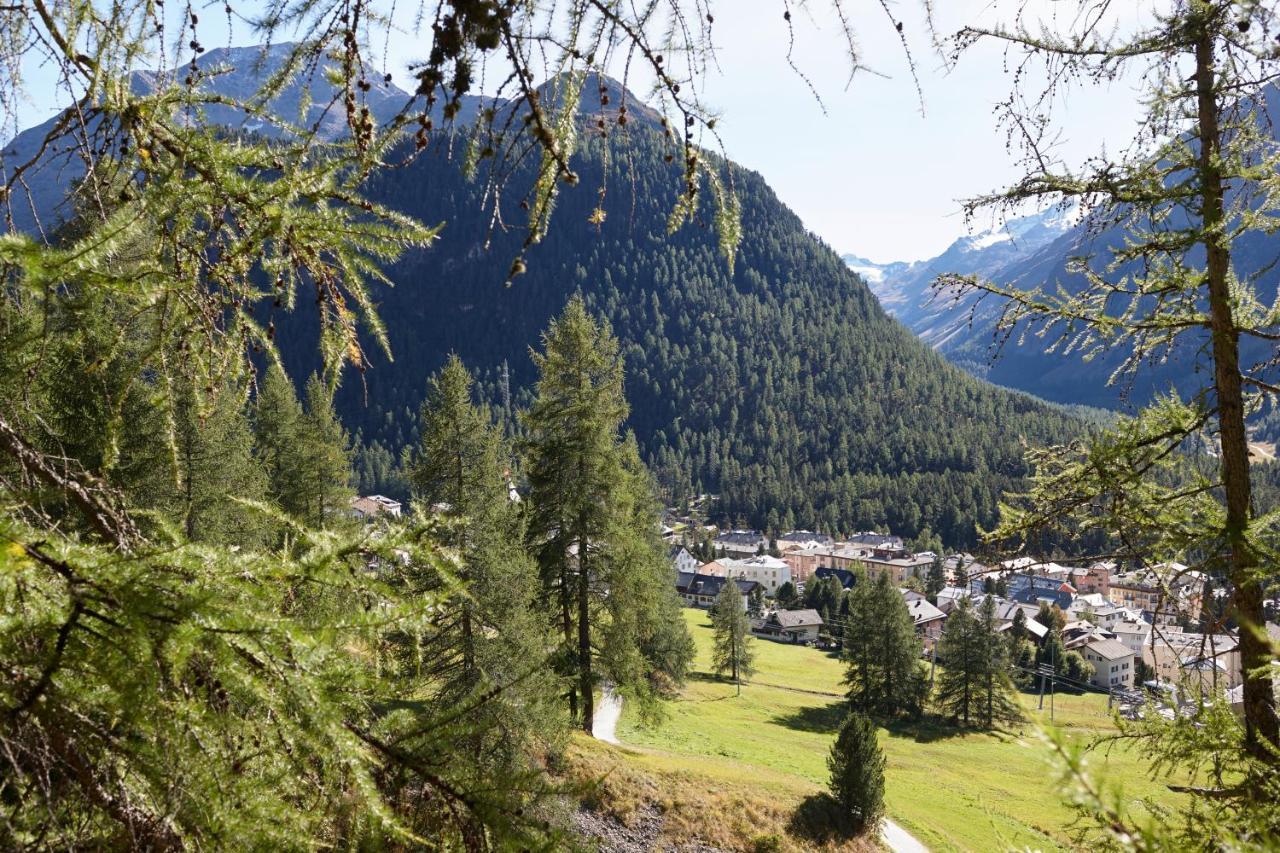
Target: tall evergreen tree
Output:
{"points": [[732, 652], [278, 443], [882, 651], [492, 640], [961, 650], [857, 765], [213, 446], [593, 518], [325, 458], [936, 580], [974, 688]]}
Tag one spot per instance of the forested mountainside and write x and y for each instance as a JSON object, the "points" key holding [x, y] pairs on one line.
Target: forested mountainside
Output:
{"points": [[781, 385]]}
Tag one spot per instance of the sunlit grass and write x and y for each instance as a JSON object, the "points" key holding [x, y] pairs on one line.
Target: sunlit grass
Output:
{"points": [[968, 791]]}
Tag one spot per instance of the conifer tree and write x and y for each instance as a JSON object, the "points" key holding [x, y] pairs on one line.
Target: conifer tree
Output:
{"points": [[999, 704], [457, 471], [961, 650], [857, 766], [882, 650], [593, 518], [325, 458], [1018, 629], [278, 441], [732, 652], [492, 642], [214, 455], [1193, 187], [936, 580], [974, 688]]}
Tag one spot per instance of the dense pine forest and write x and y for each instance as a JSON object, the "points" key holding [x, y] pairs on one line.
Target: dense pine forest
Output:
{"points": [[779, 384]]}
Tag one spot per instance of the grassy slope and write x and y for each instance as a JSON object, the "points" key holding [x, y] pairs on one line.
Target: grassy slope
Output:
{"points": [[970, 791]]}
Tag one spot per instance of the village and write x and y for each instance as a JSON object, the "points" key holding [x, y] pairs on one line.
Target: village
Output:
{"points": [[1138, 630]]}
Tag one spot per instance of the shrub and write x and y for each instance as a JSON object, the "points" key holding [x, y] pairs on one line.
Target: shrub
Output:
{"points": [[857, 773]]}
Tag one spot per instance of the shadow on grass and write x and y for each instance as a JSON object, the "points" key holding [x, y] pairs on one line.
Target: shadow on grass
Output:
{"points": [[821, 719], [708, 678], [924, 729], [826, 719], [819, 819]]}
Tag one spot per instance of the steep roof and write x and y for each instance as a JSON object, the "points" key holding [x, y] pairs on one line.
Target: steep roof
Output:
{"points": [[696, 584], [1109, 649], [846, 577], [796, 618], [922, 611]]}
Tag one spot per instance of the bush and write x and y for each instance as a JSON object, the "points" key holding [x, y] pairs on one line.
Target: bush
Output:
{"points": [[1077, 670], [771, 843], [857, 773]]}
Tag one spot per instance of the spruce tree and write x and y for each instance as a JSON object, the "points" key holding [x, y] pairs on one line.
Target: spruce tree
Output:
{"points": [[593, 516], [936, 580], [325, 459], [278, 440], [974, 688], [215, 465], [492, 643], [999, 704], [882, 650], [961, 651], [1018, 630], [732, 652], [857, 766]]}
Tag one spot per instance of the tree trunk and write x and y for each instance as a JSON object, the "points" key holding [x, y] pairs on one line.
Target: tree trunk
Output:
{"points": [[566, 624], [586, 685], [1246, 600]]}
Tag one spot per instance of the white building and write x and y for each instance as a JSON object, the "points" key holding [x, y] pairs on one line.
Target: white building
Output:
{"points": [[1112, 663], [372, 506], [769, 572], [682, 560], [1134, 634], [741, 543]]}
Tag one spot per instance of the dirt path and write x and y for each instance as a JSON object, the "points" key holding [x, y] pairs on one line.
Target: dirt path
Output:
{"points": [[605, 727], [605, 724], [898, 839]]}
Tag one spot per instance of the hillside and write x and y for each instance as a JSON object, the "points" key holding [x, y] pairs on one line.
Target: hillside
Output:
{"points": [[781, 385], [953, 790], [1036, 251]]}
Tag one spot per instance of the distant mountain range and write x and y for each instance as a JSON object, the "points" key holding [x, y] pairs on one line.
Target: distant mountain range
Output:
{"points": [[236, 73], [904, 288], [1034, 251]]}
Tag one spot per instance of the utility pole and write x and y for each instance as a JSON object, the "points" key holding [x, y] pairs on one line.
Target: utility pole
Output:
{"points": [[1045, 670]]}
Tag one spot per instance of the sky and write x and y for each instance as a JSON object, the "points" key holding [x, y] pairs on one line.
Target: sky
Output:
{"points": [[872, 168]]}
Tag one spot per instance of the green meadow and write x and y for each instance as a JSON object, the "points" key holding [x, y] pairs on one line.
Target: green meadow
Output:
{"points": [[953, 790]]}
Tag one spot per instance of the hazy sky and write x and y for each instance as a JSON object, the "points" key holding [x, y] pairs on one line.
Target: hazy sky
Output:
{"points": [[873, 175]]}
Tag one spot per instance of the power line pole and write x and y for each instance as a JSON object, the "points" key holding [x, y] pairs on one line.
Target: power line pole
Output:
{"points": [[1044, 670]]}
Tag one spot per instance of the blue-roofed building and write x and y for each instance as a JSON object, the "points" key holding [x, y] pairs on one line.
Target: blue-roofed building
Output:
{"points": [[847, 578]]}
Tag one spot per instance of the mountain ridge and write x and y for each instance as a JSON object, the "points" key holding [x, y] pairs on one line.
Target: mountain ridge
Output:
{"points": [[781, 385]]}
